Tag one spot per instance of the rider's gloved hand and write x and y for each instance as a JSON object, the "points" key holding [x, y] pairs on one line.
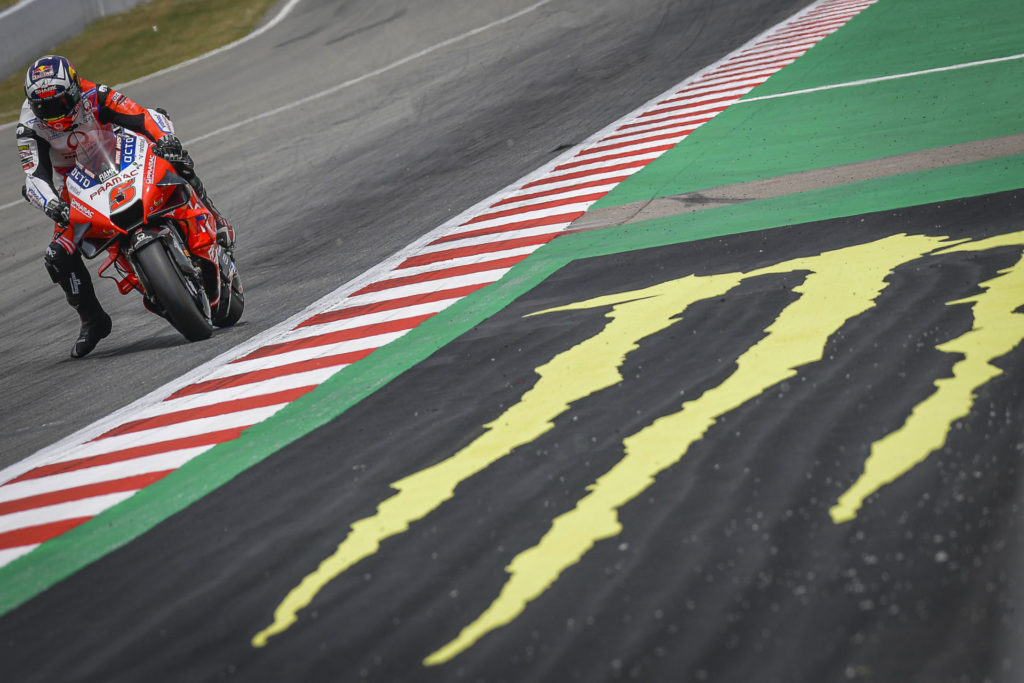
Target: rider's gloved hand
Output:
{"points": [[59, 212], [169, 148]]}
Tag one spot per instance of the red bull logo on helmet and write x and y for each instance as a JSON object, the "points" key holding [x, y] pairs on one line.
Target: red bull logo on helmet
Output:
{"points": [[42, 71]]}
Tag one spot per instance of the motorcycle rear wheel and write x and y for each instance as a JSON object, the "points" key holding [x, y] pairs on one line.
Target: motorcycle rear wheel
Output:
{"points": [[167, 285]]}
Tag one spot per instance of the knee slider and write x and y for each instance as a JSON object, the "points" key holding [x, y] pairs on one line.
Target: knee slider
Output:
{"points": [[58, 262]]}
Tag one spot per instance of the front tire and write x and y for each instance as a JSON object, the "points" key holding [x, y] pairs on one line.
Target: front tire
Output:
{"points": [[180, 301]]}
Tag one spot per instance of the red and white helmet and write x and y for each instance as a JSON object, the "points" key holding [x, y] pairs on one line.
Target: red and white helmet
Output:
{"points": [[54, 91]]}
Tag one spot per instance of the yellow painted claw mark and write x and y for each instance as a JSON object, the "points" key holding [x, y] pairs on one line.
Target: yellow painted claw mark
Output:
{"points": [[841, 285], [997, 330], [570, 376]]}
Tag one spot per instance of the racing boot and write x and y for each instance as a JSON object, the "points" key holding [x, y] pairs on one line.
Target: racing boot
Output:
{"points": [[96, 325], [69, 271]]}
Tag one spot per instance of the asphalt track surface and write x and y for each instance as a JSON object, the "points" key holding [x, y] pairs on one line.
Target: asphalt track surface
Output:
{"points": [[323, 191]]}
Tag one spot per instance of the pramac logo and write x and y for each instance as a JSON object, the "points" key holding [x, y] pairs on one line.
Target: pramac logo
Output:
{"points": [[836, 287]]}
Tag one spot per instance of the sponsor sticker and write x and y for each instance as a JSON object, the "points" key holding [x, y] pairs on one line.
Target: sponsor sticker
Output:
{"points": [[127, 152], [81, 208], [162, 122], [42, 71], [80, 179]]}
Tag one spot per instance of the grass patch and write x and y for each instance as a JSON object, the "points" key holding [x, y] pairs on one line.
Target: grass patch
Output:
{"points": [[146, 38]]}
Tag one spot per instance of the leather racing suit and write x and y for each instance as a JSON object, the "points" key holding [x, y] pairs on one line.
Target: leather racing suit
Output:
{"points": [[46, 152]]}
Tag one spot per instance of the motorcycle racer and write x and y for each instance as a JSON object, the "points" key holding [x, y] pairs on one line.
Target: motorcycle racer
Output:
{"points": [[60, 106]]}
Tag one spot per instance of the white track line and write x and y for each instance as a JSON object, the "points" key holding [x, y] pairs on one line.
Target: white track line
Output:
{"points": [[880, 79]]}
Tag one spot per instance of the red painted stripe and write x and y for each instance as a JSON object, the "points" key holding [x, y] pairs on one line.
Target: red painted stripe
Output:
{"points": [[536, 207], [562, 190], [509, 227], [811, 26], [758, 57], [621, 155], [816, 28], [584, 174], [639, 141], [244, 378], [771, 65], [441, 274], [678, 119], [31, 535], [338, 336], [686, 95], [209, 439], [680, 125], [702, 89], [690, 105], [102, 488], [221, 408], [762, 60], [389, 305], [438, 256]]}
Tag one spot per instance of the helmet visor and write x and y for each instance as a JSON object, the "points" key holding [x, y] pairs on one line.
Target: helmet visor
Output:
{"points": [[54, 108]]}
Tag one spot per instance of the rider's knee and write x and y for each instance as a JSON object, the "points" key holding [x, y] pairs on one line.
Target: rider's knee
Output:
{"points": [[58, 261]]}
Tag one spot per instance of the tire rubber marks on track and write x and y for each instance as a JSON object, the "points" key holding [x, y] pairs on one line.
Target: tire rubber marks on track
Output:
{"points": [[797, 338], [471, 255]]}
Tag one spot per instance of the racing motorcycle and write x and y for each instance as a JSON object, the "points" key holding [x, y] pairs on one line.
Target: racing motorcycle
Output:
{"points": [[159, 238]]}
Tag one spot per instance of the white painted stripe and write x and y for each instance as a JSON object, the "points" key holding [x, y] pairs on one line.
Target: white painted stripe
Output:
{"points": [[9, 555], [111, 444], [645, 144], [88, 507], [267, 386], [699, 99], [802, 45], [704, 88], [304, 354], [95, 475], [478, 241], [880, 79], [567, 193], [763, 70], [690, 124], [553, 183], [379, 317], [751, 60], [598, 166], [521, 218], [671, 112], [441, 266]]}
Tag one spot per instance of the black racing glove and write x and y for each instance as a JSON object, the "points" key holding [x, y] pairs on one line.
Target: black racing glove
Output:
{"points": [[59, 212], [169, 148]]}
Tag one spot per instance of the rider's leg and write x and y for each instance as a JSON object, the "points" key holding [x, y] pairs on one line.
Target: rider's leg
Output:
{"points": [[66, 268], [225, 233]]}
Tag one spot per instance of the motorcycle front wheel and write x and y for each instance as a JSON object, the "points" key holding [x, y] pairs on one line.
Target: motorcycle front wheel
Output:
{"points": [[180, 299]]}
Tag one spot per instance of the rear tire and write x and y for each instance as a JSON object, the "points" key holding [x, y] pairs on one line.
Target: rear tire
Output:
{"points": [[169, 287]]}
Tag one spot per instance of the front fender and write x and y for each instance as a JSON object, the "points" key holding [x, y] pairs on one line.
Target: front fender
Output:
{"points": [[149, 235]]}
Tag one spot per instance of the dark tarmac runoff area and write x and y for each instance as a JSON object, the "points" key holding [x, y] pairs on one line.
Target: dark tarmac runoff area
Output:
{"points": [[757, 417]]}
